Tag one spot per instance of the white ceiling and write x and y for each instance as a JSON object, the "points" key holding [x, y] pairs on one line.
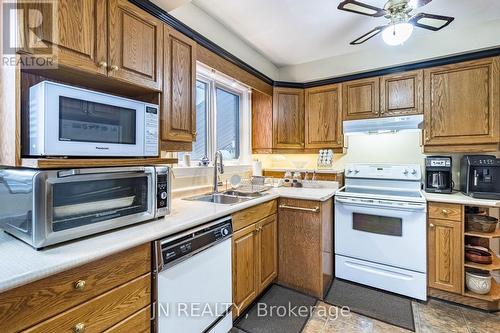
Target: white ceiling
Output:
{"points": [[291, 32]]}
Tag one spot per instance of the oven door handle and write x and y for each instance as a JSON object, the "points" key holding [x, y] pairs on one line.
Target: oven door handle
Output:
{"points": [[404, 206], [91, 171]]}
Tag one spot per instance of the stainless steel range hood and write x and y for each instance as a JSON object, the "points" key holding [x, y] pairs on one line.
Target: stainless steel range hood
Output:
{"points": [[382, 125]]}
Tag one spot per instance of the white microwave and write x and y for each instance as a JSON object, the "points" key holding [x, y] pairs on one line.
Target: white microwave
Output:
{"points": [[70, 121]]}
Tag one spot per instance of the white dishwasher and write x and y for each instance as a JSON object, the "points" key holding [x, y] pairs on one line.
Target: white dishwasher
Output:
{"points": [[193, 280]]}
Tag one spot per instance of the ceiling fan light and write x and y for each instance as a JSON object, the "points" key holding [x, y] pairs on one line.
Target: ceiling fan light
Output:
{"points": [[397, 34]]}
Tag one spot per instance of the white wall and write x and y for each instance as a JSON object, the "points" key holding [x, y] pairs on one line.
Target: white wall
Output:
{"points": [[420, 47], [204, 24], [401, 147]]}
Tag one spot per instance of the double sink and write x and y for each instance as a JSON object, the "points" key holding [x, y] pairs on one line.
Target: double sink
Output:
{"points": [[230, 197]]}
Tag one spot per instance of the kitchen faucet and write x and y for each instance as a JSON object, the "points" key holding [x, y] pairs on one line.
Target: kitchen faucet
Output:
{"points": [[218, 167]]}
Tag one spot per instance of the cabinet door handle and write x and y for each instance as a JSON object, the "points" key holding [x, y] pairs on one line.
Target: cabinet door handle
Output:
{"points": [[313, 210], [431, 225], [79, 328], [80, 284], [102, 64], [444, 211], [114, 68]]}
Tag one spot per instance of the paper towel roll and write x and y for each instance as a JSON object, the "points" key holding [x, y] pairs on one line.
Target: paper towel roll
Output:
{"points": [[257, 168]]}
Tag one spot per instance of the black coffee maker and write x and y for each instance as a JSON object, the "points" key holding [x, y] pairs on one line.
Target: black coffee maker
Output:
{"points": [[480, 176], [438, 174]]}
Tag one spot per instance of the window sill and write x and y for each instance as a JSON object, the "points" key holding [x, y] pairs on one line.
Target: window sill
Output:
{"points": [[204, 171]]}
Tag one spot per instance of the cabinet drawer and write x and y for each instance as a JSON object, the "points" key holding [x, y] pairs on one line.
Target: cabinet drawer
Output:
{"points": [[139, 322], [27, 305], [253, 214], [445, 211], [101, 312]]}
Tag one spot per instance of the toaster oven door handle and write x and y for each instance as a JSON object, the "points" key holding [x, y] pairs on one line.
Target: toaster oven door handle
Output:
{"points": [[79, 172]]}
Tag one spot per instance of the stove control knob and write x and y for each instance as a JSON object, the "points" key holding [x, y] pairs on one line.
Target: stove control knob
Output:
{"points": [[414, 172], [406, 172], [349, 171], [356, 171], [225, 232]]}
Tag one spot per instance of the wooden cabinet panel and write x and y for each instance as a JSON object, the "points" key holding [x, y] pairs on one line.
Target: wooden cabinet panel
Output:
{"points": [[80, 39], [101, 312], [445, 211], [402, 94], [323, 117], [245, 261], [288, 118], [268, 251], [135, 45], [40, 300], [179, 92], [361, 99], [253, 214], [445, 251], [262, 122], [300, 246], [461, 104], [139, 322]]}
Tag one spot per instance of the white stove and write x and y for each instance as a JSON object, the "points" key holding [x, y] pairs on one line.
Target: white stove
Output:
{"points": [[380, 228]]}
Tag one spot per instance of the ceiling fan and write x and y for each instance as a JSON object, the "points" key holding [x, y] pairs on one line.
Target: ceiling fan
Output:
{"points": [[401, 24]]}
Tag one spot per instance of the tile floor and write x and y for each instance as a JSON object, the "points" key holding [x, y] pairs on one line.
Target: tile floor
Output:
{"points": [[433, 317]]}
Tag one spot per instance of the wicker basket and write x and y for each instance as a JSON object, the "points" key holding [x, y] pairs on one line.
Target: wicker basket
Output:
{"points": [[481, 223]]}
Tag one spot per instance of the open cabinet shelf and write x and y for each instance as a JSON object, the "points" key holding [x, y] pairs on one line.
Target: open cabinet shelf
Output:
{"points": [[490, 235], [495, 265], [493, 295]]}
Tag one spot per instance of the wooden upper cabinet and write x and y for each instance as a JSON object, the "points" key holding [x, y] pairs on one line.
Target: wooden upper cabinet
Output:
{"points": [[361, 99], [288, 118], [135, 45], [445, 255], [79, 38], [402, 94], [179, 89], [323, 117], [262, 122], [461, 106]]}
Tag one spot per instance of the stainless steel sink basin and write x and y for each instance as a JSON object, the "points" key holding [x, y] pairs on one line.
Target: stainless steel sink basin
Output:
{"points": [[225, 198], [244, 195]]}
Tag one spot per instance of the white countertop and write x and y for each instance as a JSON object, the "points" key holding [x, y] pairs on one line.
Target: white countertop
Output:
{"points": [[460, 198], [21, 264]]}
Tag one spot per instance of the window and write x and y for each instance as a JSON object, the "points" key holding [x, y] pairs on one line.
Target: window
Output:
{"points": [[228, 123], [200, 145], [222, 118]]}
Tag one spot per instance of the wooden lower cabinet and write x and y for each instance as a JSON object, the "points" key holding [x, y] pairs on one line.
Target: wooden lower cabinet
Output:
{"points": [[101, 312], [244, 268], [305, 238], [445, 255], [255, 255], [95, 296], [139, 322], [268, 251]]}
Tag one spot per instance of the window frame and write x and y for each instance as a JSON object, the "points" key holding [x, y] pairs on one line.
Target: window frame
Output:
{"points": [[215, 80]]}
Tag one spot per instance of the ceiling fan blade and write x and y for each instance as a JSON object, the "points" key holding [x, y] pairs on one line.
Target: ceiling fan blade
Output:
{"points": [[367, 36], [358, 7], [431, 21], [418, 3]]}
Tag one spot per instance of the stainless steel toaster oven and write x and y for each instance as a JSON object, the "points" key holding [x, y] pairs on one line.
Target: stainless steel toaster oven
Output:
{"points": [[45, 207]]}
